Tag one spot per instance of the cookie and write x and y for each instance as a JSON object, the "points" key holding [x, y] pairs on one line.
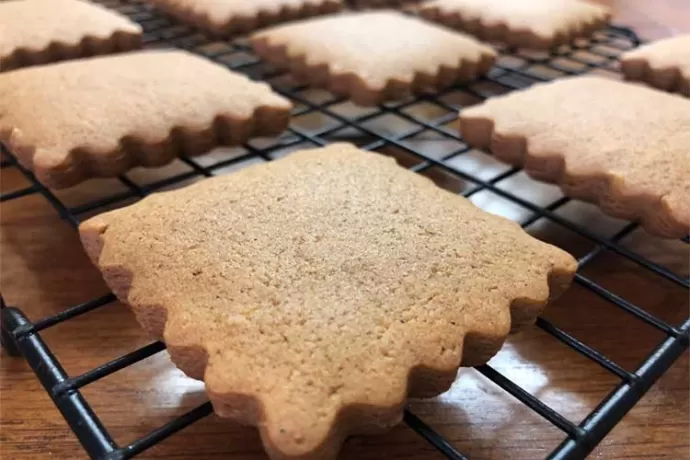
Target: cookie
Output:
{"points": [[96, 117], [664, 64], [314, 293], [527, 23], [41, 31], [235, 17], [365, 57], [382, 3], [619, 145]]}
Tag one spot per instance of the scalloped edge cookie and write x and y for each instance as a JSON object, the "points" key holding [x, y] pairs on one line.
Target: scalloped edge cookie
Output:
{"points": [[663, 64], [619, 145], [237, 17], [539, 24], [365, 57], [99, 117], [42, 31], [315, 293], [363, 4]]}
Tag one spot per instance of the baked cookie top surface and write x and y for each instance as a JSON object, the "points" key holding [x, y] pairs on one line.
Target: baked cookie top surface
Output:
{"points": [[621, 145], [34, 25], [318, 282], [538, 23], [81, 112]]}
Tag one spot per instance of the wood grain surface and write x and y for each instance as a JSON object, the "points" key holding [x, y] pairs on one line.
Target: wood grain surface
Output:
{"points": [[44, 270]]}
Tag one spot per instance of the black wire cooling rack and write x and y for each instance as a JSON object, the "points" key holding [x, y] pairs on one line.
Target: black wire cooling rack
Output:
{"points": [[367, 127]]}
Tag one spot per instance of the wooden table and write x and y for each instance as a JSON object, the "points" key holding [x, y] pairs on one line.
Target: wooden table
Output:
{"points": [[44, 270]]}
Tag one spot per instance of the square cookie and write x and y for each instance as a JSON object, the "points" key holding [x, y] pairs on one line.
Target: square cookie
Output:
{"points": [[236, 17], [664, 64], [619, 145], [315, 293], [96, 117], [382, 3], [366, 57], [524, 23], [41, 31]]}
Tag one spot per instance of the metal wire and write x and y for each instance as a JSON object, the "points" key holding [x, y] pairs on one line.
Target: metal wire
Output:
{"points": [[162, 31]]}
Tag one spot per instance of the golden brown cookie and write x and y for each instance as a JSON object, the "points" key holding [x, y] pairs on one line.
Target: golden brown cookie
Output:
{"points": [[372, 57], [619, 145], [41, 31], [664, 64], [382, 3], [72, 121], [313, 294], [234, 17], [523, 23]]}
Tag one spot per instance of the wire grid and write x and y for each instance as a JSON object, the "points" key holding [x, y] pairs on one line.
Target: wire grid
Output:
{"points": [[514, 70]]}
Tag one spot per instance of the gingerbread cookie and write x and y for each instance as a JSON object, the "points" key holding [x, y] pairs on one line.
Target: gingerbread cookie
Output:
{"points": [[619, 145], [234, 17], [525, 23], [41, 31], [313, 294], [366, 57], [382, 3], [664, 64], [101, 116]]}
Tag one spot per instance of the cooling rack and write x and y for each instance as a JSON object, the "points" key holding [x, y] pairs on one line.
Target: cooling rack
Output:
{"points": [[417, 119]]}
